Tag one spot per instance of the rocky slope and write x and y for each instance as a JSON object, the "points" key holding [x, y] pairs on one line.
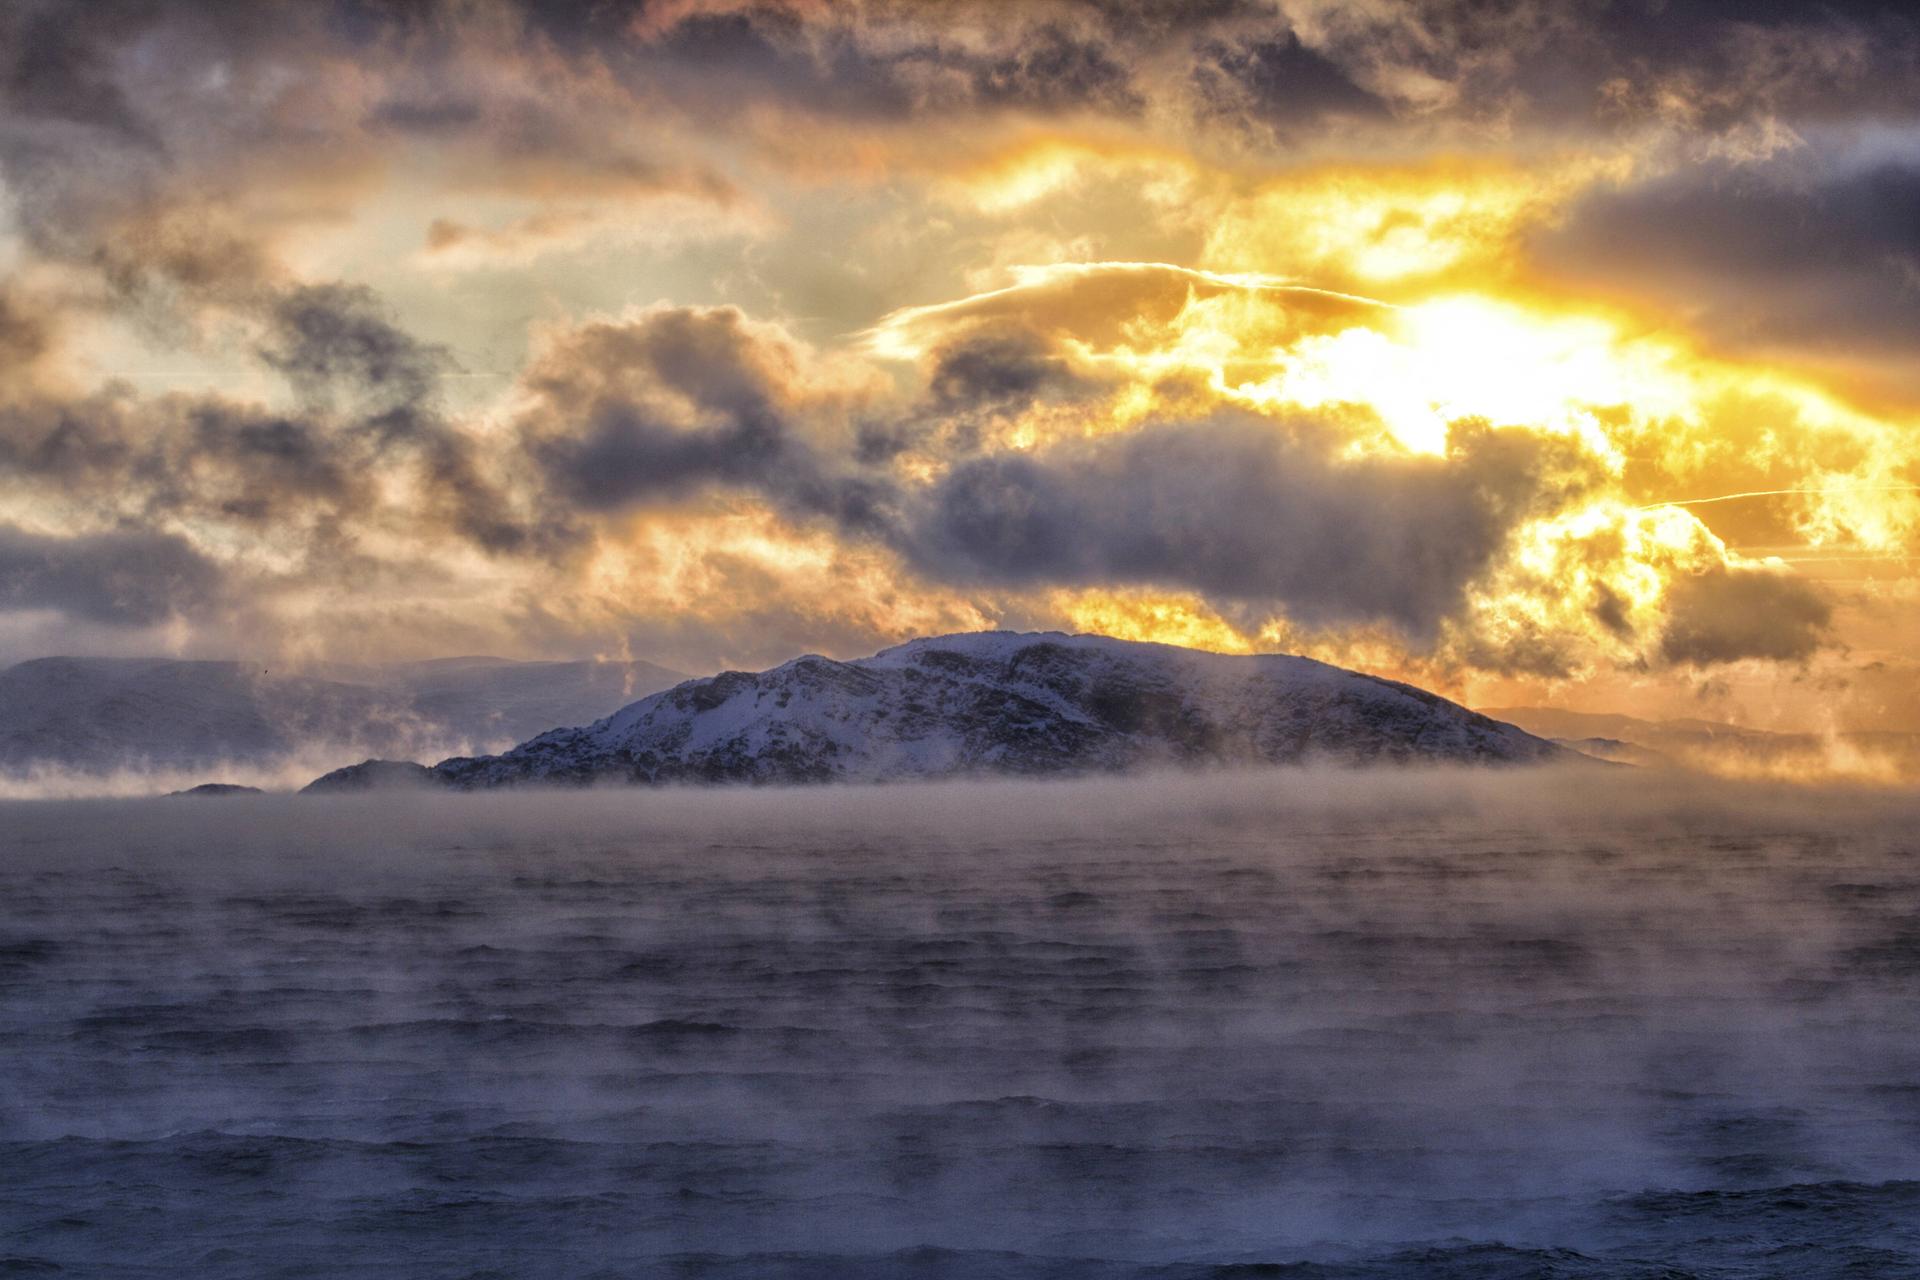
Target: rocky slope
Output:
{"points": [[1006, 703]]}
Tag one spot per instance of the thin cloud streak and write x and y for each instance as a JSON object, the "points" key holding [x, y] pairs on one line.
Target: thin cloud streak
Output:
{"points": [[1776, 493]]}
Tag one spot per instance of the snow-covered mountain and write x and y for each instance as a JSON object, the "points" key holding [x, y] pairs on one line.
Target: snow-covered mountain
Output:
{"points": [[100, 715], [1001, 702]]}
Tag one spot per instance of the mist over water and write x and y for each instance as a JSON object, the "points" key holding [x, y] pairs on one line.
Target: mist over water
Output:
{"points": [[147, 780], [1373, 1025]]}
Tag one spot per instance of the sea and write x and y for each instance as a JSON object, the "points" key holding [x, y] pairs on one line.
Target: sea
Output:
{"points": [[1307, 1024]]}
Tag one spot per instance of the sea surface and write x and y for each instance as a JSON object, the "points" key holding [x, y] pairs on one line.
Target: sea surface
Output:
{"points": [[1293, 1024]]}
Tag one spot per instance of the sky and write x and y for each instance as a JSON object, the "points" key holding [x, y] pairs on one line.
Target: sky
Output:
{"points": [[1533, 352]]}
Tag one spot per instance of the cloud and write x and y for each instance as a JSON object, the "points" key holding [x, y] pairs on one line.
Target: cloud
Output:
{"points": [[888, 63], [1277, 83], [1725, 614], [178, 457], [1245, 509], [367, 444], [1008, 476], [997, 369], [1787, 254], [650, 409], [332, 338], [1705, 66], [636, 420], [1291, 69], [1254, 512], [175, 150], [1242, 510], [434, 115], [121, 579], [982, 383], [28, 334]]}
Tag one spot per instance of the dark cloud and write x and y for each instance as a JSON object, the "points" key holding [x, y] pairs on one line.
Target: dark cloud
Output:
{"points": [[621, 457], [336, 338], [181, 458], [1726, 614], [1704, 67], [679, 400], [123, 579], [1716, 62], [1278, 83], [990, 375], [1776, 255], [59, 70], [1053, 70], [1006, 369], [1724, 62], [886, 63], [767, 55], [1242, 511]]}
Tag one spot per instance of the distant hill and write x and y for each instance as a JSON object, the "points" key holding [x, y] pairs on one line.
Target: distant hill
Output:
{"points": [[98, 715], [1002, 703], [1717, 745], [492, 700]]}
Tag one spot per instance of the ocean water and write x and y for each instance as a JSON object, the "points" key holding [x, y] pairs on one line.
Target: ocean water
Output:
{"points": [[1296, 1024]]}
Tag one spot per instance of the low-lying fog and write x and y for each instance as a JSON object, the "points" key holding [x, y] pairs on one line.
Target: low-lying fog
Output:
{"points": [[1395, 1024]]}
